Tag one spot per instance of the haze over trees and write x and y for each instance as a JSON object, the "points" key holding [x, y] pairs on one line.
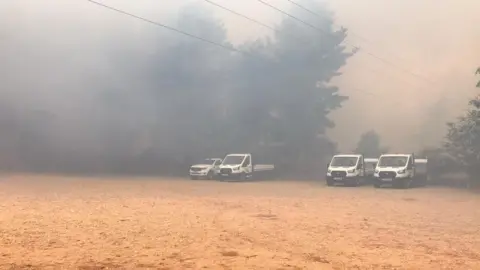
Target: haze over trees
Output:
{"points": [[153, 101], [370, 146], [174, 99]]}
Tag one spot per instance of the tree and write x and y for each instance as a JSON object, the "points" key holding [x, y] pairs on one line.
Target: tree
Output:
{"points": [[283, 94], [369, 145], [463, 139], [210, 101], [160, 95], [173, 100]]}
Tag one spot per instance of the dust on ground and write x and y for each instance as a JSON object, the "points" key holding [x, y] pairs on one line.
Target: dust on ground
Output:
{"points": [[56, 222]]}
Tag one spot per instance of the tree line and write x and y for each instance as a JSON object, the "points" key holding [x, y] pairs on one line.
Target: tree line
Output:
{"points": [[463, 140], [167, 102], [178, 100]]}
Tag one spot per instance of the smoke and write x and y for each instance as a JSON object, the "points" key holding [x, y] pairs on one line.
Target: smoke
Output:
{"points": [[438, 41], [76, 78]]}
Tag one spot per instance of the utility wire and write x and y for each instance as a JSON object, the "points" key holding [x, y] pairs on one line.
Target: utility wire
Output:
{"points": [[385, 61], [197, 37], [320, 16], [275, 30], [362, 38], [241, 15], [230, 48]]}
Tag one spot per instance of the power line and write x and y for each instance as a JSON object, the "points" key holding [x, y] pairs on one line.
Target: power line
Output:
{"points": [[272, 28], [373, 70], [241, 15], [385, 61], [295, 18], [320, 16], [192, 36], [230, 48]]}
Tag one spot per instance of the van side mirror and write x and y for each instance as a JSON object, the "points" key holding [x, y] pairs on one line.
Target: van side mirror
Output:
{"points": [[328, 165]]}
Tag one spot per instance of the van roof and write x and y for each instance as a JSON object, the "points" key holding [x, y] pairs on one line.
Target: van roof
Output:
{"points": [[396, 155], [347, 155], [371, 160]]}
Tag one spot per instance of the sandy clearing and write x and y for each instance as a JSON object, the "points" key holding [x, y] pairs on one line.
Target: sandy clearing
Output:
{"points": [[51, 222]]}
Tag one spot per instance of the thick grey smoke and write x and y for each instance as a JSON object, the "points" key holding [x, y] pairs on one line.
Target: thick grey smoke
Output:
{"points": [[104, 95], [88, 87]]}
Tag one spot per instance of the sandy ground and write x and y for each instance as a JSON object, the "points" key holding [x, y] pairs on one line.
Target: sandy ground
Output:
{"points": [[87, 223]]}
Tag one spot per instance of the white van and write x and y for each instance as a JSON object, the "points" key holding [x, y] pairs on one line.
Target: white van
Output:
{"points": [[397, 170], [346, 169]]}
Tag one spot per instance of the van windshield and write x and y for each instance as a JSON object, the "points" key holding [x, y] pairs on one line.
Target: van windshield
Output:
{"points": [[344, 161], [393, 161], [208, 161], [233, 160]]}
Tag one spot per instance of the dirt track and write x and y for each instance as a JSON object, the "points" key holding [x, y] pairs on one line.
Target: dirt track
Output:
{"points": [[55, 222]]}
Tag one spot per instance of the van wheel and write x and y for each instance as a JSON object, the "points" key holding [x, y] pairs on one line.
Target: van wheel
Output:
{"points": [[403, 183], [396, 184], [409, 183], [354, 182], [210, 175], [377, 184], [329, 183], [423, 182], [358, 181], [243, 176]]}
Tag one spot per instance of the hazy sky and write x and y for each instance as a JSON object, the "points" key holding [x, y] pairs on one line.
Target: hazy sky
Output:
{"points": [[437, 39]]}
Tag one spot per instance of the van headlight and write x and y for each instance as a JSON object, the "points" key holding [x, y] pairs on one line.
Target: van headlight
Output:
{"points": [[401, 171], [351, 171]]}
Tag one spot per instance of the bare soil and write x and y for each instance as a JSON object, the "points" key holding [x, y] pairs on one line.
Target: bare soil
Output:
{"points": [[52, 222]]}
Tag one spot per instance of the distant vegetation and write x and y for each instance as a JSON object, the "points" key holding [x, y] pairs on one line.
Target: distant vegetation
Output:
{"points": [[167, 100], [461, 151], [161, 109], [370, 146]]}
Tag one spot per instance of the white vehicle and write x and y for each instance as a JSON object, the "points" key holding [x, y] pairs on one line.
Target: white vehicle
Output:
{"points": [[208, 169], [421, 171], [240, 166], [346, 169], [397, 170], [370, 165]]}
